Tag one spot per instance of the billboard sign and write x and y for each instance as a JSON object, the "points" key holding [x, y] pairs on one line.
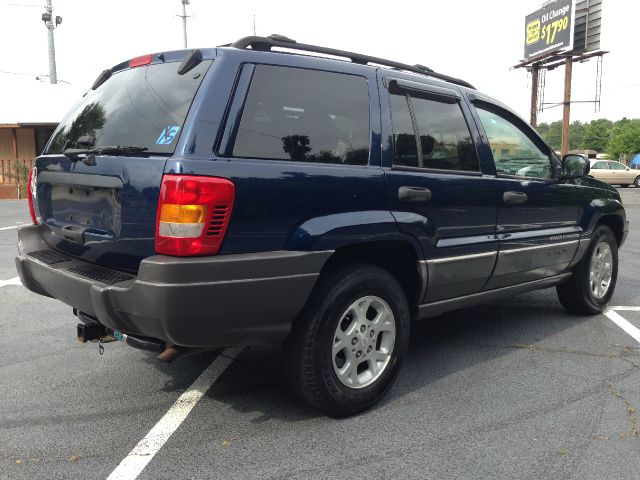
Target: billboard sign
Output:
{"points": [[588, 25], [549, 29]]}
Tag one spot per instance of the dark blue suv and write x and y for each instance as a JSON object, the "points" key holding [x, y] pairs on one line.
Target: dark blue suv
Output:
{"points": [[271, 192]]}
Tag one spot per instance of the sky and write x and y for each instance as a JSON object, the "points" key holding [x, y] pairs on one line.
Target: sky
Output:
{"points": [[475, 40]]}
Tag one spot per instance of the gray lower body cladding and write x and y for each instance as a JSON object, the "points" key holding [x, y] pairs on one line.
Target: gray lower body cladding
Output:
{"points": [[194, 302]]}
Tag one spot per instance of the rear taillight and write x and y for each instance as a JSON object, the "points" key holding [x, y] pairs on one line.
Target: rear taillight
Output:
{"points": [[193, 214], [31, 194]]}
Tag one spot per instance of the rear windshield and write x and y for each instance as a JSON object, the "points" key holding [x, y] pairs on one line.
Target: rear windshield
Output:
{"points": [[142, 107]]}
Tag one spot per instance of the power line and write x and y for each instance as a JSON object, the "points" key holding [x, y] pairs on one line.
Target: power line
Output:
{"points": [[21, 73], [37, 76], [21, 4]]}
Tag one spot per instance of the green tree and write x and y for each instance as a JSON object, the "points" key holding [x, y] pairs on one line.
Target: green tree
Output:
{"points": [[551, 133], [576, 135], [624, 139], [596, 134]]}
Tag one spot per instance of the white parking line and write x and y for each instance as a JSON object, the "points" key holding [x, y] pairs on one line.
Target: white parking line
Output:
{"points": [[144, 451], [622, 323], [10, 228], [11, 281], [632, 309]]}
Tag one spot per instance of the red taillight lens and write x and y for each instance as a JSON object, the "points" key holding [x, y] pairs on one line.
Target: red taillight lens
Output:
{"points": [[31, 195], [193, 214], [139, 61]]}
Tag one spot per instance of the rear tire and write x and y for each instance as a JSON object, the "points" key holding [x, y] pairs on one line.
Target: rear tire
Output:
{"points": [[347, 346], [636, 182], [594, 278]]}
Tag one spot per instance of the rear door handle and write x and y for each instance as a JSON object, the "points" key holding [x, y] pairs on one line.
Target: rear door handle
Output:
{"points": [[414, 194], [514, 198]]}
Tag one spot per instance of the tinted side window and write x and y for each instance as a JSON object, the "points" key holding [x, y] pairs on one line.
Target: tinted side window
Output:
{"points": [[305, 115], [514, 153], [444, 141], [405, 148]]}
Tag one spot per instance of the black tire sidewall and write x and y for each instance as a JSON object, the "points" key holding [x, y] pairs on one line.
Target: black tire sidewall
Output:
{"points": [[360, 283], [602, 233], [636, 182]]}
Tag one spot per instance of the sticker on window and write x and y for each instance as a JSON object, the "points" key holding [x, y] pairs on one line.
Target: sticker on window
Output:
{"points": [[167, 135]]}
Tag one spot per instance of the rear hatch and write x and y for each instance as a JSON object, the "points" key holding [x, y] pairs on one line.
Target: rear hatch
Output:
{"points": [[97, 183]]}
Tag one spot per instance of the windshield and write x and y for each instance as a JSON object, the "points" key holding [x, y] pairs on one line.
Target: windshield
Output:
{"points": [[142, 107]]}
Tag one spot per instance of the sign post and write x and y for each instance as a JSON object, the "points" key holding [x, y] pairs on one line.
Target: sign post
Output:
{"points": [[566, 111]]}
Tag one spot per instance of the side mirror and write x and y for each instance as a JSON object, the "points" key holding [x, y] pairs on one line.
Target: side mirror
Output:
{"points": [[575, 166]]}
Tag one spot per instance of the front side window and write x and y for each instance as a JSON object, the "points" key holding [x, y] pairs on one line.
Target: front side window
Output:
{"points": [[439, 139], [305, 115], [514, 153]]}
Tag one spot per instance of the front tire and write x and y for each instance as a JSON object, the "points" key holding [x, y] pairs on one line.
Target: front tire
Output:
{"points": [[593, 282], [347, 347], [636, 182]]}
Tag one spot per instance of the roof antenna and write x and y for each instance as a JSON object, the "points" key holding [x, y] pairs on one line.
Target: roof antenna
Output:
{"points": [[254, 24]]}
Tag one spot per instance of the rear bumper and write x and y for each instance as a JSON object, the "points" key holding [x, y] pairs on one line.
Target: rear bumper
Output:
{"points": [[193, 302]]}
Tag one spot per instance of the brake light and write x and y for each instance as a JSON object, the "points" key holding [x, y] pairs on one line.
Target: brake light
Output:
{"points": [[139, 61], [193, 214], [31, 194]]}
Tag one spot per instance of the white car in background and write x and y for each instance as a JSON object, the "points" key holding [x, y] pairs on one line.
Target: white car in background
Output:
{"points": [[614, 173]]}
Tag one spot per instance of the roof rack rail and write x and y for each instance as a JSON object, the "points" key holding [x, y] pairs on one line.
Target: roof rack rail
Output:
{"points": [[267, 43]]}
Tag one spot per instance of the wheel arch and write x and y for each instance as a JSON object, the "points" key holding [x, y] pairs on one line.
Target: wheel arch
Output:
{"points": [[398, 257], [615, 223]]}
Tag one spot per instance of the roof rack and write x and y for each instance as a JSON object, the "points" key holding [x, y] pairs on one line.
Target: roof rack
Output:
{"points": [[267, 43]]}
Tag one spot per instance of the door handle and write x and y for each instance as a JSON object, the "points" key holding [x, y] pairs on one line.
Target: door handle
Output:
{"points": [[514, 198], [414, 194]]}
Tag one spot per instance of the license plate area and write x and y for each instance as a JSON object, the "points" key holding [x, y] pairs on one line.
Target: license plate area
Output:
{"points": [[94, 208]]}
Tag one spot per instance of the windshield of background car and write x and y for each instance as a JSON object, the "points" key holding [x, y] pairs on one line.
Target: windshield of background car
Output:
{"points": [[143, 107]]}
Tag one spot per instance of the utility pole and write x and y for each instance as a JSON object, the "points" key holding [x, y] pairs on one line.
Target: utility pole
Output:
{"points": [[51, 23], [535, 76], [184, 20], [566, 114]]}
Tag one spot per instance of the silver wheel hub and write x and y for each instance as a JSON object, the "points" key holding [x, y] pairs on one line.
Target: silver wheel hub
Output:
{"points": [[363, 342], [600, 270]]}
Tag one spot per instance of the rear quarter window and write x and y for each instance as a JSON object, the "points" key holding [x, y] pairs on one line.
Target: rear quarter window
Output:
{"points": [[305, 115]]}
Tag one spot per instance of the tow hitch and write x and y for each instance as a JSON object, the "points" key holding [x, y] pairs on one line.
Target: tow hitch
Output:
{"points": [[90, 330]]}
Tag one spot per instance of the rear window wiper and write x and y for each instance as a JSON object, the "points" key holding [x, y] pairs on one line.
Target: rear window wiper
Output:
{"points": [[107, 150]]}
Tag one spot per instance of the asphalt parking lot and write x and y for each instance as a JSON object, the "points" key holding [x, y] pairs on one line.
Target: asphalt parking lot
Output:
{"points": [[514, 389]]}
